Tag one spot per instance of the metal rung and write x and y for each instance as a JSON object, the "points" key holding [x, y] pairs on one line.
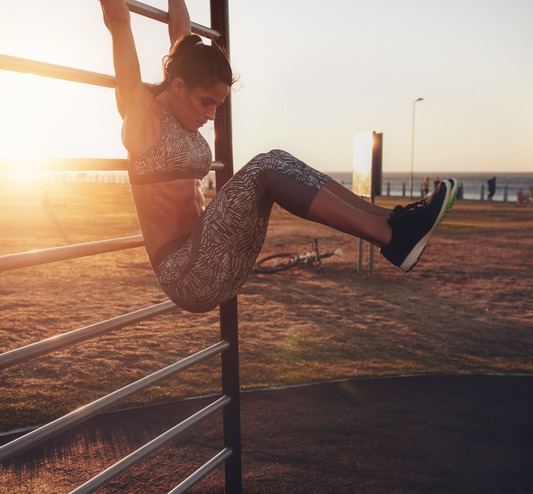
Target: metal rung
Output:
{"points": [[45, 256], [69, 164], [82, 164], [202, 472], [43, 347], [162, 16], [28, 66], [107, 475], [217, 166], [53, 428]]}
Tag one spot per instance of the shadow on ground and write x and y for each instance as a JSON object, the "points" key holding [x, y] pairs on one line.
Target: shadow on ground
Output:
{"points": [[428, 434]]}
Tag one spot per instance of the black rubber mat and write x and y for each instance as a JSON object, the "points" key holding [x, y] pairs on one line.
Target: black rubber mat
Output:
{"points": [[428, 434]]}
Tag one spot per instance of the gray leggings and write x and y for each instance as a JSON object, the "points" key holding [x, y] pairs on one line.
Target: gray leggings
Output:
{"points": [[207, 268]]}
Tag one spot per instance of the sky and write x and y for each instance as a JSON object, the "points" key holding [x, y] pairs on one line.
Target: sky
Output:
{"points": [[312, 74]]}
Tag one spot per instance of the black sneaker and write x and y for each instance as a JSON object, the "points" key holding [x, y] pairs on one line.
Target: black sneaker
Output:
{"points": [[412, 227], [455, 189]]}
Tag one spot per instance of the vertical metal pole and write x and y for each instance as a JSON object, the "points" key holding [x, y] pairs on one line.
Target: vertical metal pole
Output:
{"points": [[228, 310], [412, 155], [360, 263], [230, 387], [413, 150], [371, 250], [371, 262], [223, 125], [377, 165]]}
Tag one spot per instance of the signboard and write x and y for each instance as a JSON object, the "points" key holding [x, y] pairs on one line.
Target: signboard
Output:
{"points": [[367, 168], [362, 164]]}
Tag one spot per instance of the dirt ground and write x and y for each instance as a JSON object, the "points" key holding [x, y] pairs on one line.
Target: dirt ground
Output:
{"points": [[466, 308]]}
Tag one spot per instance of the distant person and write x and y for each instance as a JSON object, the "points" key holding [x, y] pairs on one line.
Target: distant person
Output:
{"points": [[436, 183], [425, 188], [201, 255], [523, 199], [491, 184]]}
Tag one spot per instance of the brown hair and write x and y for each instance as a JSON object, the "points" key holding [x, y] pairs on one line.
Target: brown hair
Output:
{"points": [[196, 64]]}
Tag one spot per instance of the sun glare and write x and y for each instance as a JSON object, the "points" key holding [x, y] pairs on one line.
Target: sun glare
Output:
{"points": [[24, 140], [42, 118], [25, 162]]}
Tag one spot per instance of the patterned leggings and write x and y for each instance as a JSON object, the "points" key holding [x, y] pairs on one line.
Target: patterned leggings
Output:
{"points": [[210, 265]]}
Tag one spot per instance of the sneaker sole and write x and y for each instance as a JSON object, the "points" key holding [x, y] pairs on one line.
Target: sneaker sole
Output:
{"points": [[413, 256], [453, 196]]}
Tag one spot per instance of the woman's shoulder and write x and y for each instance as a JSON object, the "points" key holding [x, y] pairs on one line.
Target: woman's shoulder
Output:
{"points": [[142, 123]]}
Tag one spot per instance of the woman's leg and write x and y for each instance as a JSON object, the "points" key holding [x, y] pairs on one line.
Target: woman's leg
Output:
{"points": [[314, 196], [402, 236], [217, 257], [354, 200], [329, 209], [214, 262]]}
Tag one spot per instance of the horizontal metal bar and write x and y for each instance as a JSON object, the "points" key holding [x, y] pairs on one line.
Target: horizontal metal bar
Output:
{"points": [[107, 475], [162, 16], [80, 165], [68, 165], [53, 428], [217, 166], [44, 69], [202, 472], [49, 345], [46, 256]]}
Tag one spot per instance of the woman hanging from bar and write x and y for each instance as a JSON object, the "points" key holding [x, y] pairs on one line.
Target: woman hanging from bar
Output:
{"points": [[202, 256]]}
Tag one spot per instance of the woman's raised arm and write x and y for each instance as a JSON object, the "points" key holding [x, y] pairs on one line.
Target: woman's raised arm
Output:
{"points": [[125, 60], [139, 109], [179, 22]]}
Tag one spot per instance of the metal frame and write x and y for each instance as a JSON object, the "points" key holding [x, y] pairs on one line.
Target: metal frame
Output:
{"points": [[160, 441], [228, 346], [228, 311], [44, 347], [84, 164], [81, 414]]}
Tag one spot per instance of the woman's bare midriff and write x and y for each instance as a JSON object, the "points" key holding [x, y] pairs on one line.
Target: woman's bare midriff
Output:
{"points": [[167, 210]]}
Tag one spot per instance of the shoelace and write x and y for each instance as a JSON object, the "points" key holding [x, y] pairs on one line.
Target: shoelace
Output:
{"points": [[402, 209], [411, 211]]}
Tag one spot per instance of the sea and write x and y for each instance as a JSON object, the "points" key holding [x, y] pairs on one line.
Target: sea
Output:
{"points": [[473, 185]]}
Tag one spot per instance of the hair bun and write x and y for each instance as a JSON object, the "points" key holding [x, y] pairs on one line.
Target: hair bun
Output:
{"points": [[183, 44], [195, 63]]}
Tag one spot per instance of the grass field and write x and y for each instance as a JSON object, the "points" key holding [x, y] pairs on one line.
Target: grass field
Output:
{"points": [[467, 306]]}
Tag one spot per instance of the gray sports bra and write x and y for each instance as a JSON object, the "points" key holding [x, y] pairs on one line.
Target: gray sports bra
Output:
{"points": [[177, 154]]}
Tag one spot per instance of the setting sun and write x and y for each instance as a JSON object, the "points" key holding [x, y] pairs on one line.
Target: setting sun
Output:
{"points": [[48, 118]]}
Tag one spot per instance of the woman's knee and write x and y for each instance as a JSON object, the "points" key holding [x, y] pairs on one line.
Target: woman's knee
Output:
{"points": [[273, 154]]}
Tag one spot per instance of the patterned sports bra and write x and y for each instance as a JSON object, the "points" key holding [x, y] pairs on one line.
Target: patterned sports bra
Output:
{"points": [[177, 154]]}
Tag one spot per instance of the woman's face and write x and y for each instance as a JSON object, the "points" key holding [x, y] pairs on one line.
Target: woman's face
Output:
{"points": [[200, 105]]}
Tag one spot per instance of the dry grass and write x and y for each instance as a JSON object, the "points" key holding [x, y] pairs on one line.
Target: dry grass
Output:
{"points": [[467, 307]]}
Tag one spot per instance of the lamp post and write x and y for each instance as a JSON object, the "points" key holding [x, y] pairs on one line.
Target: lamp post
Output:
{"points": [[413, 150]]}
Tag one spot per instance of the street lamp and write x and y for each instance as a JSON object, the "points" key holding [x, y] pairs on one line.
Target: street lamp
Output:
{"points": [[413, 150]]}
